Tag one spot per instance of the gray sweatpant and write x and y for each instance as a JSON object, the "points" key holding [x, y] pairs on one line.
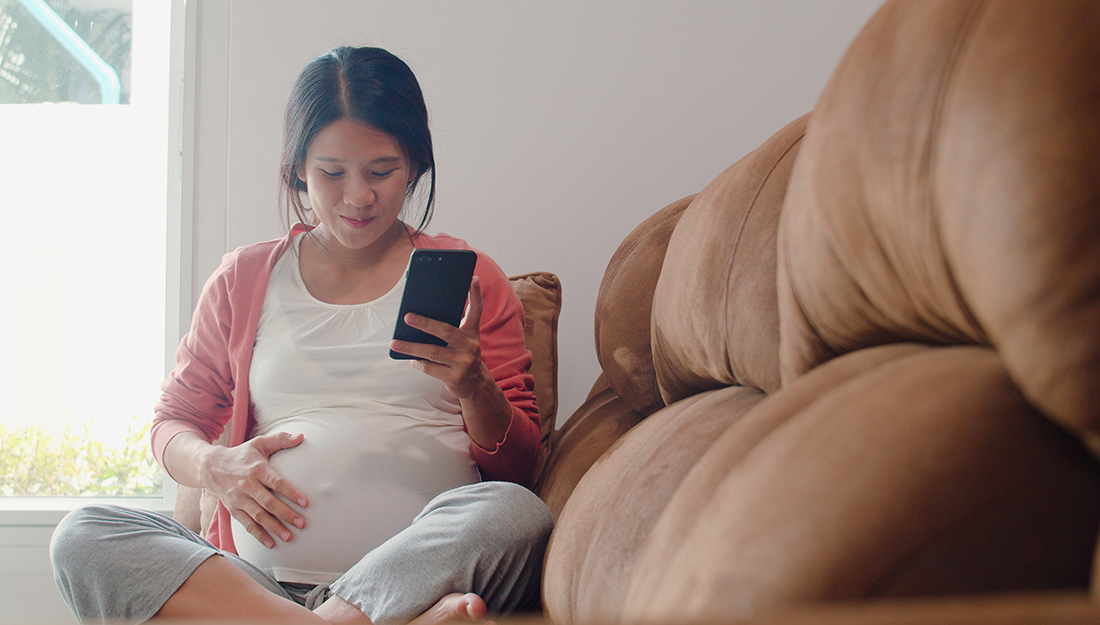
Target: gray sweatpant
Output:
{"points": [[119, 564]]}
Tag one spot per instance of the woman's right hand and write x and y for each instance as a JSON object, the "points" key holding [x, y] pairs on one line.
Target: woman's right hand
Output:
{"points": [[244, 480]]}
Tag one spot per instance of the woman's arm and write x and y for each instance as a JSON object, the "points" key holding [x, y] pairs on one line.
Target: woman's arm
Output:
{"points": [[198, 403]]}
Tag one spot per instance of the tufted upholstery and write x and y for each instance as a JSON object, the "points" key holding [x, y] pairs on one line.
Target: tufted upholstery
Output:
{"points": [[870, 364]]}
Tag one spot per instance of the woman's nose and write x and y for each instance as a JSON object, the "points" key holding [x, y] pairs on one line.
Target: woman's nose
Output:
{"points": [[358, 193]]}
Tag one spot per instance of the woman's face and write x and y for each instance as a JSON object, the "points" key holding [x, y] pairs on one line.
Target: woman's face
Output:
{"points": [[356, 177]]}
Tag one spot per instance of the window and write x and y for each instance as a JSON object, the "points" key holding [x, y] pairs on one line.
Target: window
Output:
{"points": [[83, 156]]}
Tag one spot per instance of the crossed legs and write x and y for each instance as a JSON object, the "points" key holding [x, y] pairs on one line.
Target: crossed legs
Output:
{"points": [[472, 551], [217, 583]]}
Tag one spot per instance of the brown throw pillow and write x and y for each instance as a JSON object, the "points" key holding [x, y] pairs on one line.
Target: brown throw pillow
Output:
{"points": [[540, 293]]}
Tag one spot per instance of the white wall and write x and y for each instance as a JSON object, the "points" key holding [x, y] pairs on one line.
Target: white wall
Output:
{"points": [[559, 125]]}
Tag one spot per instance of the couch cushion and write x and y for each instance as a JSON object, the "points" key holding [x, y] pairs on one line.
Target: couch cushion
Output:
{"points": [[728, 454], [715, 319], [624, 306], [606, 520], [948, 192], [900, 470], [600, 421]]}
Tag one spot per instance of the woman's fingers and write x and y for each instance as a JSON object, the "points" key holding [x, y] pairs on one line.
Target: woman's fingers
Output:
{"points": [[253, 527], [472, 320], [271, 443], [465, 338], [458, 364], [254, 492], [271, 512], [442, 330], [268, 445], [264, 515]]}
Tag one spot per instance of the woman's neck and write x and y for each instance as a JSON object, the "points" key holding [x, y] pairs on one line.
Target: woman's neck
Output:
{"points": [[338, 275], [397, 240]]}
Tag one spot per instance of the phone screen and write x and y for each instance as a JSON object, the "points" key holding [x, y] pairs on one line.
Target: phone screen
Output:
{"points": [[436, 287]]}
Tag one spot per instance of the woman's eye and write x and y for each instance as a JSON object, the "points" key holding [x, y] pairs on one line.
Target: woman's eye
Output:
{"points": [[382, 174], [332, 174]]}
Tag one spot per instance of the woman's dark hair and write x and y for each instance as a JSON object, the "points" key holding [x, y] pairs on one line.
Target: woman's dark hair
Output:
{"points": [[367, 85]]}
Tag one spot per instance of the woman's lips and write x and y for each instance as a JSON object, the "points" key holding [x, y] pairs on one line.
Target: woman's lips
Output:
{"points": [[357, 223]]}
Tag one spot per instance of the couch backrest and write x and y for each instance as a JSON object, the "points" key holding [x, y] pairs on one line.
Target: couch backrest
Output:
{"points": [[715, 313], [948, 192], [688, 302]]}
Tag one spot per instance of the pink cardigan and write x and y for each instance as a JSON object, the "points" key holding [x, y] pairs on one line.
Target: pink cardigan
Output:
{"points": [[213, 359]]}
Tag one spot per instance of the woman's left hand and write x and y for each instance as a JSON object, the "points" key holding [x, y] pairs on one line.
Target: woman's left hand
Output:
{"points": [[459, 366]]}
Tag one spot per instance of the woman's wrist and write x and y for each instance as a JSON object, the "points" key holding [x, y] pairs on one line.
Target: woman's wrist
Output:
{"points": [[185, 457], [487, 413]]}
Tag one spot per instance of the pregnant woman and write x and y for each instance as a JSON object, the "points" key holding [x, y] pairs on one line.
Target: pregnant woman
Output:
{"points": [[354, 488]]}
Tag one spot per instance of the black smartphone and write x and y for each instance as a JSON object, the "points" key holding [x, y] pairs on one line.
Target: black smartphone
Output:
{"points": [[436, 287]]}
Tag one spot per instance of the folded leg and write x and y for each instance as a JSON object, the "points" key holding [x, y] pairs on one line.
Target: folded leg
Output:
{"points": [[119, 564], [487, 538]]}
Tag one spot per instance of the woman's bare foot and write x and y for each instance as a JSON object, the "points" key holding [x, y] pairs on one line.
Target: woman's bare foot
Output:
{"points": [[454, 608], [450, 609]]}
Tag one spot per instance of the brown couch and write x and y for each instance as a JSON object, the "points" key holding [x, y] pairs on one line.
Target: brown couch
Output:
{"points": [[864, 362], [871, 367]]}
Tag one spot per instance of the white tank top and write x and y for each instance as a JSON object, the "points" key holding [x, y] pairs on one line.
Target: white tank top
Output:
{"points": [[381, 438]]}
